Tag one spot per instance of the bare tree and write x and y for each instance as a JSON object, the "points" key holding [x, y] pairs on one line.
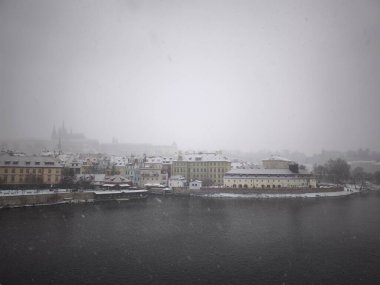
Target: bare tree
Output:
{"points": [[338, 170]]}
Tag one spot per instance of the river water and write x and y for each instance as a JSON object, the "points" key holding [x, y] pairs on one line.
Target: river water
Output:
{"points": [[180, 240]]}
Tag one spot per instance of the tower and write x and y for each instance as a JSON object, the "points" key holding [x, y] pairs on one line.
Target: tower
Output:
{"points": [[54, 134], [59, 145]]}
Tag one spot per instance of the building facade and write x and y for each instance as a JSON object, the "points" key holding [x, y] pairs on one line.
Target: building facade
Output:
{"points": [[152, 175], [206, 167], [177, 182], [23, 170], [276, 162], [195, 185], [275, 173], [268, 178]]}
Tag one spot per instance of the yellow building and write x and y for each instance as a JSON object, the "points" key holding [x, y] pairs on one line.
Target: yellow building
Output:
{"points": [[206, 167], [22, 170], [276, 162]]}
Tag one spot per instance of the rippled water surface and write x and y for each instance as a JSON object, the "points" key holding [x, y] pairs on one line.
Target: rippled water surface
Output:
{"points": [[194, 240]]}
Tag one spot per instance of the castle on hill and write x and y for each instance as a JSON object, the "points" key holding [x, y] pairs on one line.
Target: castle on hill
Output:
{"points": [[63, 134]]}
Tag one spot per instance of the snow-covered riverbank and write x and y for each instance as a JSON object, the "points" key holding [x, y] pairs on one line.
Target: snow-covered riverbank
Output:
{"points": [[32, 192], [348, 190]]}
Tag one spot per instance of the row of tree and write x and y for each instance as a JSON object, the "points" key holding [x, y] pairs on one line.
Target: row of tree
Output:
{"points": [[339, 171]]}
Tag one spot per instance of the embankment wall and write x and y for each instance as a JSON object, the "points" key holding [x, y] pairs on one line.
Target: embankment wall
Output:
{"points": [[53, 198], [202, 191]]}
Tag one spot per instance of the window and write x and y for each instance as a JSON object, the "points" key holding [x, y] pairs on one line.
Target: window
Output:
{"points": [[15, 162], [7, 162], [37, 163]]}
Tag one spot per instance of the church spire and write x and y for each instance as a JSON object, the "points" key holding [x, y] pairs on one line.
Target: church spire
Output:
{"points": [[54, 133], [59, 145]]}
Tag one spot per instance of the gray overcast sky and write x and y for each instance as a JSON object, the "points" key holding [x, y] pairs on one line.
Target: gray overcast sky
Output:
{"points": [[249, 75]]}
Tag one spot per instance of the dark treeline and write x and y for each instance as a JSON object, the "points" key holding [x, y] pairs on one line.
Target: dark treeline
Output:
{"points": [[351, 155], [339, 171], [321, 158]]}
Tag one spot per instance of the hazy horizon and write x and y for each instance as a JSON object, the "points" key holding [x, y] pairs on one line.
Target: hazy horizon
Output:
{"points": [[237, 75]]}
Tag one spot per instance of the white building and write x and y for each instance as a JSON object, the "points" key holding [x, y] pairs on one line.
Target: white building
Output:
{"points": [[154, 171], [118, 165], [268, 178], [195, 185], [276, 173], [152, 175], [177, 181]]}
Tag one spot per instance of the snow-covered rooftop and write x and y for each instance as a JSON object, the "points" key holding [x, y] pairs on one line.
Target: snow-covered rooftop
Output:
{"points": [[159, 159], [116, 179], [177, 177], [8, 160], [263, 171], [276, 157], [194, 157]]}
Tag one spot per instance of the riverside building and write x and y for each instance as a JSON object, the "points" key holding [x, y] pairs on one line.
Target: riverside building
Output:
{"points": [[206, 167], [24, 170], [276, 172]]}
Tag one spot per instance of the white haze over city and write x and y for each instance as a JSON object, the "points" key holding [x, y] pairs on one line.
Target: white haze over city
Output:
{"points": [[248, 75]]}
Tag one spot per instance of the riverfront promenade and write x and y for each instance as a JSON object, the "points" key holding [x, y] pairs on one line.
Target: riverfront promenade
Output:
{"points": [[20, 198]]}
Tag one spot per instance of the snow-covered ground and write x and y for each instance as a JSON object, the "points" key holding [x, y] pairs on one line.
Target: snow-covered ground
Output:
{"points": [[348, 190], [373, 187], [31, 192]]}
